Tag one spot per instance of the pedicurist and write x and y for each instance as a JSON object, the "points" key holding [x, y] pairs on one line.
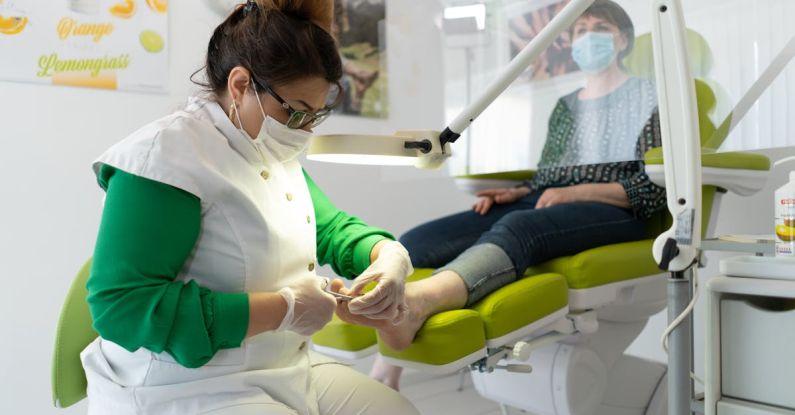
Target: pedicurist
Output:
{"points": [[203, 287]]}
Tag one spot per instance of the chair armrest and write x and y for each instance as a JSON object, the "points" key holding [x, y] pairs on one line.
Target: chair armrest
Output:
{"points": [[709, 158], [473, 183], [517, 175], [739, 172]]}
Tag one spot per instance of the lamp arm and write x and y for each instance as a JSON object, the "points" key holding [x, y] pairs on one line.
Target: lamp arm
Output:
{"points": [[562, 21], [677, 248]]}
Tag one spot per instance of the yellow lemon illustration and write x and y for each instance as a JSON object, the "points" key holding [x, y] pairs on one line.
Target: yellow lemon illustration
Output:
{"points": [[125, 9], [160, 6], [785, 233], [151, 41], [12, 25]]}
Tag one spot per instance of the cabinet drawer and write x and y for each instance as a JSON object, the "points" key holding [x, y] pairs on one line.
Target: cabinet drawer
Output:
{"points": [[732, 407], [758, 350]]}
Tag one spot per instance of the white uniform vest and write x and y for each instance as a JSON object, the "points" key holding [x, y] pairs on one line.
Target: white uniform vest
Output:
{"points": [[257, 234]]}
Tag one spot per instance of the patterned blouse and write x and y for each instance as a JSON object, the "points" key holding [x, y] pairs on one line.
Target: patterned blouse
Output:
{"points": [[603, 140]]}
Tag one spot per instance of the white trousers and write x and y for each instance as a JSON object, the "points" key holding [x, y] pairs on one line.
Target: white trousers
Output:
{"points": [[341, 390]]}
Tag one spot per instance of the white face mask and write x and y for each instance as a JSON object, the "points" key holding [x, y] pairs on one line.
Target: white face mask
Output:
{"points": [[282, 142]]}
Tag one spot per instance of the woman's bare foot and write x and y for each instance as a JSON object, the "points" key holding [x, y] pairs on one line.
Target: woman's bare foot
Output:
{"points": [[396, 336], [385, 373], [441, 292], [364, 79]]}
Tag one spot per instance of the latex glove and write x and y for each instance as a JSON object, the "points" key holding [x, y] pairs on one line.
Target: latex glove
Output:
{"points": [[309, 308], [386, 301]]}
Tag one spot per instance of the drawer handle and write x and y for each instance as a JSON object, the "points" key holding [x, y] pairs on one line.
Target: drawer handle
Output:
{"points": [[772, 304]]}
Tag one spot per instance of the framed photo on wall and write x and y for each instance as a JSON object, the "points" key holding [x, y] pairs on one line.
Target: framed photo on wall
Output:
{"points": [[525, 20], [359, 27]]}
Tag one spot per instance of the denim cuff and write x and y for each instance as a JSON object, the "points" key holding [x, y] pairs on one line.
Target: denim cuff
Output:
{"points": [[484, 269]]}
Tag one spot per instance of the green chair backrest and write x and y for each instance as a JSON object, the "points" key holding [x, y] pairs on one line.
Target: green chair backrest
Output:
{"points": [[73, 334], [640, 63]]}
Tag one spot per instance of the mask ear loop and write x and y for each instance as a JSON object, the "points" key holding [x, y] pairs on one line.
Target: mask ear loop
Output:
{"points": [[262, 110]]}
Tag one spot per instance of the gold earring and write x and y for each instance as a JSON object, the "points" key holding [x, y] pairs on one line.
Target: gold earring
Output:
{"points": [[232, 110]]}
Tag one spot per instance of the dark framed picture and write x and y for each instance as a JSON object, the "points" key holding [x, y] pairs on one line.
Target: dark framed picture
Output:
{"points": [[525, 23], [359, 27]]}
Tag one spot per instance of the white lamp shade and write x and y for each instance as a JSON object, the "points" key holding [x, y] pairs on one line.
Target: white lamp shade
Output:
{"points": [[382, 150]]}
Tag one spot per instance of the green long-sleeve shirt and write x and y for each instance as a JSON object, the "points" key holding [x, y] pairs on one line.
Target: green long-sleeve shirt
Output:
{"points": [[148, 231]]}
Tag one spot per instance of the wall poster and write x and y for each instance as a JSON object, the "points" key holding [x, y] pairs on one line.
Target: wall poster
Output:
{"points": [[111, 44]]}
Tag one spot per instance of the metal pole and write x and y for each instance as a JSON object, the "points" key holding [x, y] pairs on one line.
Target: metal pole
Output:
{"points": [[679, 344]]}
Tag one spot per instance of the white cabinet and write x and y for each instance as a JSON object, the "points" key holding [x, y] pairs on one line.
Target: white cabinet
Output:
{"points": [[750, 356], [732, 407], [758, 349]]}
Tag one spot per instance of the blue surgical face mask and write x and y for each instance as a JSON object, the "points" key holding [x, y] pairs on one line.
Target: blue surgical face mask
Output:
{"points": [[593, 52]]}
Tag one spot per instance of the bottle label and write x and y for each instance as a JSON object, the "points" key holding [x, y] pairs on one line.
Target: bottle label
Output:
{"points": [[785, 226]]}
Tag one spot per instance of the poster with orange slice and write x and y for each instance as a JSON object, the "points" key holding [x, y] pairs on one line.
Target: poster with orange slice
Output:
{"points": [[109, 44]]}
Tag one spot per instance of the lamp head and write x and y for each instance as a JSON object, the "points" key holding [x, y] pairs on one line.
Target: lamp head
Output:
{"points": [[420, 148]]}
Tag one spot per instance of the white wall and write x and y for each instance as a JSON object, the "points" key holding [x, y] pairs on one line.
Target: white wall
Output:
{"points": [[51, 205]]}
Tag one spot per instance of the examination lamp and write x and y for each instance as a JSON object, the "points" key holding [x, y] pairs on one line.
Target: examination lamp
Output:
{"points": [[429, 149]]}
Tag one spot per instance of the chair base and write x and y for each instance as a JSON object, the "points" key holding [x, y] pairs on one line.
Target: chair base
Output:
{"points": [[537, 327], [575, 380], [633, 292]]}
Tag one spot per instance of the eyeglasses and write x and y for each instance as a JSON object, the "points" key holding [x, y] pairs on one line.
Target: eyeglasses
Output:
{"points": [[301, 119]]}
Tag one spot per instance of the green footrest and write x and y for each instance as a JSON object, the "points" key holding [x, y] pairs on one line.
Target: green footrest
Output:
{"points": [[343, 340], [453, 338]]}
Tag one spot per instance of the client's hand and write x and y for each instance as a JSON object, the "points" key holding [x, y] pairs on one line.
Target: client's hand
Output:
{"points": [[501, 196], [558, 196]]}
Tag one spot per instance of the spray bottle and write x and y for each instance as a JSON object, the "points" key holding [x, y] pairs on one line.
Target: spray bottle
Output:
{"points": [[785, 215]]}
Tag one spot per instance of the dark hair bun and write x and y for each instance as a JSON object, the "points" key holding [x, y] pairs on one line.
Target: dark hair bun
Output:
{"points": [[319, 12], [277, 40]]}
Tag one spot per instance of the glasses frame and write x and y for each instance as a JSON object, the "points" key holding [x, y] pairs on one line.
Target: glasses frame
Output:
{"points": [[311, 119]]}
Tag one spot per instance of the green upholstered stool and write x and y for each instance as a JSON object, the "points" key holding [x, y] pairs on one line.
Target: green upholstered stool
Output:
{"points": [[345, 341], [73, 334]]}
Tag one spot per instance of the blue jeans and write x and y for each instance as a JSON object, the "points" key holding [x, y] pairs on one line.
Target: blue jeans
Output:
{"points": [[466, 242]]}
